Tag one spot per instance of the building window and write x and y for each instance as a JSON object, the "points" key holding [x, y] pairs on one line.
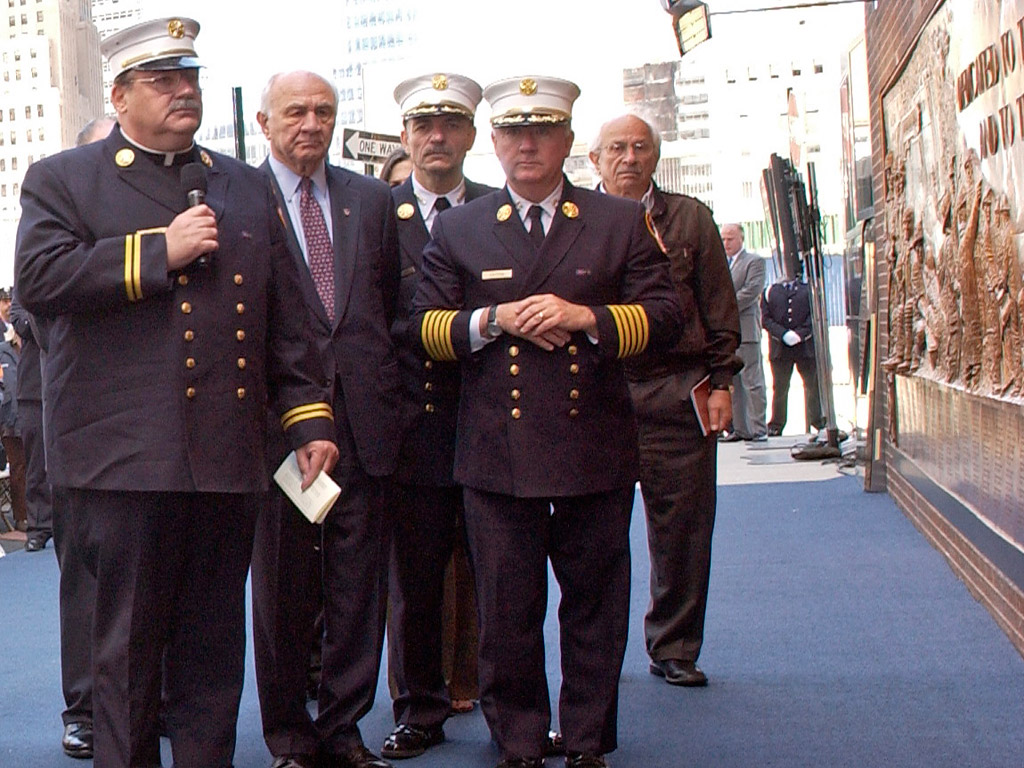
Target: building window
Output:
{"points": [[39, 110], [41, 137], [14, 163], [10, 112], [28, 110], [28, 135], [39, 16], [3, 164]]}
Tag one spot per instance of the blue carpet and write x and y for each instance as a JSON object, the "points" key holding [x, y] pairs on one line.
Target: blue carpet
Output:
{"points": [[836, 636]]}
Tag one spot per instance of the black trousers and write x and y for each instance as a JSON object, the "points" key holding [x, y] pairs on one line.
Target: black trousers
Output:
{"points": [[678, 482], [165, 603], [428, 521], [586, 539], [287, 596], [38, 504], [782, 373], [77, 600]]}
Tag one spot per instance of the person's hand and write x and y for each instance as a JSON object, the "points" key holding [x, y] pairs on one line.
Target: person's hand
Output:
{"points": [[192, 233], [719, 410], [791, 338], [546, 320], [314, 456]]}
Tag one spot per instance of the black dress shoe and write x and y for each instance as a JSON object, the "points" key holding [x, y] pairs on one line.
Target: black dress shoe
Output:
{"points": [[774, 431], [522, 762], [411, 741], [77, 740], [36, 543], [729, 437], [585, 761], [294, 761], [360, 757], [679, 672], [554, 745]]}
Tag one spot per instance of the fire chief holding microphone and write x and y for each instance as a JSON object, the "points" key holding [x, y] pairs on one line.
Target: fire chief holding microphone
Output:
{"points": [[158, 378]]}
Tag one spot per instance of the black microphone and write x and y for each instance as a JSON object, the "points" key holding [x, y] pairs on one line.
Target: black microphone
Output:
{"points": [[193, 183]]}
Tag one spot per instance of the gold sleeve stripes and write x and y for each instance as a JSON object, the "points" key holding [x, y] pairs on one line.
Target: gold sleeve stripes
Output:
{"points": [[631, 323], [436, 333], [304, 412], [133, 261]]}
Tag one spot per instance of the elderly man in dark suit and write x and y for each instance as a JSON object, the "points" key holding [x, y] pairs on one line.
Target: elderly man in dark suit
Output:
{"points": [[543, 289], [341, 236], [160, 369], [429, 539], [678, 454]]}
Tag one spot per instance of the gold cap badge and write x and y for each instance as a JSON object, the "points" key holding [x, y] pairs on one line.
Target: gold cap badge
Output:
{"points": [[527, 86], [405, 211], [176, 29], [124, 157], [504, 212], [205, 158], [440, 82], [570, 210]]}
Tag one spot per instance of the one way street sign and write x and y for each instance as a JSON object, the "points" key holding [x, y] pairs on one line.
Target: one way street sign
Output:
{"points": [[368, 147]]}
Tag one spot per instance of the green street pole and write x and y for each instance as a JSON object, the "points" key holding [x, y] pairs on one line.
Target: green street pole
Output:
{"points": [[236, 101]]}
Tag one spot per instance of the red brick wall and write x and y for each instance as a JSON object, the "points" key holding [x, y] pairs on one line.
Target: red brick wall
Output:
{"points": [[891, 30]]}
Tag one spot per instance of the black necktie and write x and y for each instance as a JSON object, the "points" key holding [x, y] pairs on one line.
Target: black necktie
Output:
{"points": [[441, 204], [536, 228]]}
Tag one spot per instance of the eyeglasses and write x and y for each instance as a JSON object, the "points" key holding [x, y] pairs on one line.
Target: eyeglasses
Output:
{"points": [[618, 148], [169, 81]]}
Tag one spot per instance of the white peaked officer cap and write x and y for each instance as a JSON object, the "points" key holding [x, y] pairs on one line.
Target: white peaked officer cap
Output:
{"points": [[441, 93], [531, 100], [157, 44]]}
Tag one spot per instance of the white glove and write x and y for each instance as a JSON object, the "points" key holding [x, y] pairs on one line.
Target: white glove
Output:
{"points": [[791, 338]]}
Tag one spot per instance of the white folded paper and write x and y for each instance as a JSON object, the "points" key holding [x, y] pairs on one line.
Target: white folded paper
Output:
{"points": [[314, 502]]}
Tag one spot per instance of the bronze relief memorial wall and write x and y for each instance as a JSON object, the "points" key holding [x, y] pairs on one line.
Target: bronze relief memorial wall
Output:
{"points": [[953, 214]]}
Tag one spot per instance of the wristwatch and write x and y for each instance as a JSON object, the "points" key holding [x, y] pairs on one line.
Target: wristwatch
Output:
{"points": [[722, 387], [493, 329]]}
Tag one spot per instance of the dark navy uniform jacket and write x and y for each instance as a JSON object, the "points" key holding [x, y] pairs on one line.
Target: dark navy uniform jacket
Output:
{"points": [[787, 307], [158, 381], [534, 423], [356, 348], [430, 387]]}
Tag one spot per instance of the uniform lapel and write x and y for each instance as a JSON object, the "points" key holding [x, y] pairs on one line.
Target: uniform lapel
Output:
{"points": [[345, 236], [565, 228], [291, 237], [412, 231], [142, 174], [510, 232], [217, 189]]}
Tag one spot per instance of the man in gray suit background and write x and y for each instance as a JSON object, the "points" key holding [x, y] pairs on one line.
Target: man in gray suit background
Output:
{"points": [[749, 401]]}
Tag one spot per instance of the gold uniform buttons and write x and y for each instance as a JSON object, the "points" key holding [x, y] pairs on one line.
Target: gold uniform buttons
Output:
{"points": [[240, 334], [189, 335], [430, 408], [516, 413], [186, 308], [513, 369], [241, 393], [190, 392], [429, 386], [428, 364], [513, 351], [574, 368], [241, 363], [574, 394], [182, 279], [515, 394], [238, 280], [573, 413], [573, 349], [240, 308], [190, 362]]}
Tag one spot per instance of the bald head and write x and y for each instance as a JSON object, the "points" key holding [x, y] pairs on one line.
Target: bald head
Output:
{"points": [[625, 154], [95, 130], [732, 239], [297, 115]]}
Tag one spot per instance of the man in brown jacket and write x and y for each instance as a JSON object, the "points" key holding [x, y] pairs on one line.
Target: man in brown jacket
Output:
{"points": [[677, 454]]}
